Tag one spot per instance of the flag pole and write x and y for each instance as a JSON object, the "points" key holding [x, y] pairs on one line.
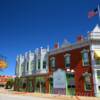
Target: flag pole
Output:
{"points": [[99, 12]]}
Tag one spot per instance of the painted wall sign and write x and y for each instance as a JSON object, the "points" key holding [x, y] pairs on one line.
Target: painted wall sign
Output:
{"points": [[59, 79]]}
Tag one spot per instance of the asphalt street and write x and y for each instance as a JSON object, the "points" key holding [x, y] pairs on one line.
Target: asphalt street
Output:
{"points": [[20, 97]]}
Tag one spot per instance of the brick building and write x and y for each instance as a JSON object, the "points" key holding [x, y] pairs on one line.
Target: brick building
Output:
{"points": [[72, 69], [78, 64]]}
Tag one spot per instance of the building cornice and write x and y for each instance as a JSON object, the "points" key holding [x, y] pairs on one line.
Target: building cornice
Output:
{"points": [[71, 47]]}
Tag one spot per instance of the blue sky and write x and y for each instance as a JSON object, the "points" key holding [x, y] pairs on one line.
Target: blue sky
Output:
{"points": [[29, 24]]}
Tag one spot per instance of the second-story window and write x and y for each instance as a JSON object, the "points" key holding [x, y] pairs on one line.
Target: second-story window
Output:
{"points": [[27, 66], [38, 63], [67, 60], [52, 62], [44, 64], [22, 67], [32, 65], [85, 58]]}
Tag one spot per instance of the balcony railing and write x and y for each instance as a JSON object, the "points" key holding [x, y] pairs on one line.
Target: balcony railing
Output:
{"points": [[34, 72]]}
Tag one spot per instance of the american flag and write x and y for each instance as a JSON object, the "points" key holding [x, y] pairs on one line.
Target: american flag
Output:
{"points": [[93, 13]]}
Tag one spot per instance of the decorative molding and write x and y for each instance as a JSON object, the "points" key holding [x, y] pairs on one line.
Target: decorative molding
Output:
{"points": [[67, 54], [52, 58], [71, 47], [85, 50]]}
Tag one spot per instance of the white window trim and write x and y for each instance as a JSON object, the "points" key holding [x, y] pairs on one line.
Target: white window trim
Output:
{"points": [[85, 51], [52, 58], [67, 55], [89, 74], [85, 87]]}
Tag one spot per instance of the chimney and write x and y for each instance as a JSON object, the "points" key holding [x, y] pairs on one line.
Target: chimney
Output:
{"points": [[80, 38], [56, 45]]}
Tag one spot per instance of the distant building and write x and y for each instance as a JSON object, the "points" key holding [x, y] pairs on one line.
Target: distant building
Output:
{"points": [[4, 79], [75, 69]]}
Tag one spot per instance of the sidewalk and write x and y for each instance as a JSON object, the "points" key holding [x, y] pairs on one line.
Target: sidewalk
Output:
{"points": [[50, 96]]}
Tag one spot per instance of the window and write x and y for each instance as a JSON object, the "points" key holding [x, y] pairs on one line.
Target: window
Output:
{"points": [[67, 60], [97, 61], [44, 64], [88, 86], [99, 88], [38, 63], [27, 66], [70, 78], [52, 62], [98, 75], [32, 65], [85, 58], [22, 67], [87, 83]]}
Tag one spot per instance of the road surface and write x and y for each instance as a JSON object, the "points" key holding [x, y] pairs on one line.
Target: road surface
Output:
{"points": [[20, 97]]}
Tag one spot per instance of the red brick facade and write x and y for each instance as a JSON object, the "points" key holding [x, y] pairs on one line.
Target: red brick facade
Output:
{"points": [[76, 64]]}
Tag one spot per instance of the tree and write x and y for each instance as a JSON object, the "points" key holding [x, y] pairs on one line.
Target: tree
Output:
{"points": [[10, 83]]}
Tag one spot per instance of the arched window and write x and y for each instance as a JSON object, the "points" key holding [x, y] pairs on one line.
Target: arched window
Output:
{"points": [[67, 60], [52, 62]]}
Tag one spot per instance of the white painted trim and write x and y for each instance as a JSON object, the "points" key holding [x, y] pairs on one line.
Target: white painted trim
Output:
{"points": [[52, 58], [67, 54], [84, 50]]}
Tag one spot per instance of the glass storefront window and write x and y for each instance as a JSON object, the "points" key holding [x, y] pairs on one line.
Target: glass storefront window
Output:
{"points": [[98, 79], [98, 75], [99, 88], [70, 84]]}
